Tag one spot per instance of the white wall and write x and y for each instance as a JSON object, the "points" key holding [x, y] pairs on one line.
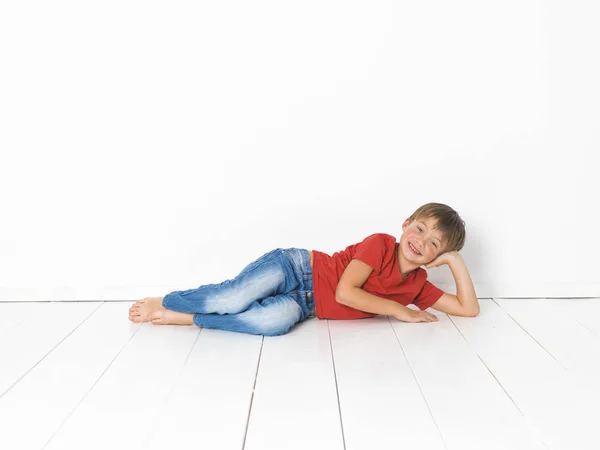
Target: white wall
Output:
{"points": [[154, 146]]}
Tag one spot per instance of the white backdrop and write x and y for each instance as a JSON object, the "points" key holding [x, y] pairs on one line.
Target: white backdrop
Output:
{"points": [[155, 146]]}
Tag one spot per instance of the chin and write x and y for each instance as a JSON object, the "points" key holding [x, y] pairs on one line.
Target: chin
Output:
{"points": [[408, 254]]}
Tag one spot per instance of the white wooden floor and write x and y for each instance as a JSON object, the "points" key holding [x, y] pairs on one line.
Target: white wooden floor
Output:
{"points": [[524, 374]]}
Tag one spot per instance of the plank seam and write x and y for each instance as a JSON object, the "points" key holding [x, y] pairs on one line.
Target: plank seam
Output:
{"points": [[528, 334], [529, 421], [418, 384], [337, 392], [51, 350], [91, 388], [262, 343]]}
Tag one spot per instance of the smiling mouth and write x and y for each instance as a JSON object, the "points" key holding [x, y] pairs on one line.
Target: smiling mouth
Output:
{"points": [[413, 249]]}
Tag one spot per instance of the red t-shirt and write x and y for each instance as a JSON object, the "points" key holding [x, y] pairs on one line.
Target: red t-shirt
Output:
{"points": [[380, 251]]}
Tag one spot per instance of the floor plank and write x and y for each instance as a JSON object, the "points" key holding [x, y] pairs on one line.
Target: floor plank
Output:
{"points": [[537, 383], [295, 402], [585, 311], [574, 346], [46, 396], [210, 401], [521, 375], [377, 388], [15, 313], [470, 408], [129, 395], [29, 342]]}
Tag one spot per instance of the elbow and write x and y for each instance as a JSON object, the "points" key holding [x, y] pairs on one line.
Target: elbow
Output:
{"points": [[340, 297], [474, 313]]}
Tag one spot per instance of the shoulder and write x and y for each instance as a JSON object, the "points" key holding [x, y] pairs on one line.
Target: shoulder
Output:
{"points": [[381, 243], [382, 238], [376, 250]]}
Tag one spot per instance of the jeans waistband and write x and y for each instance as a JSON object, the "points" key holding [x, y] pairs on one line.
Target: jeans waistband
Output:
{"points": [[300, 261]]}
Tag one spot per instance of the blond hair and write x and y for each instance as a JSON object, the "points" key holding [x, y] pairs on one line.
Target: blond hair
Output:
{"points": [[448, 223]]}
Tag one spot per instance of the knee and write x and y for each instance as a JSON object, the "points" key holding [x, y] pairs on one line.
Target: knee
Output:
{"points": [[268, 320], [272, 329], [275, 326]]}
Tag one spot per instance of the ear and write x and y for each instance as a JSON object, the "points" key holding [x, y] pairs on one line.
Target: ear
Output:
{"points": [[405, 224]]}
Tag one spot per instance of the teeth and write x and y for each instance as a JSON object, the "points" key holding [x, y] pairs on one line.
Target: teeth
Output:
{"points": [[411, 246]]}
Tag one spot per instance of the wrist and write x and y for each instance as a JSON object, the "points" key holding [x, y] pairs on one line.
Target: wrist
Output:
{"points": [[402, 311], [454, 258]]}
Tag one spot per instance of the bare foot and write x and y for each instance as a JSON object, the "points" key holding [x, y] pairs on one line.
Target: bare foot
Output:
{"points": [[168, 317], [145, 310]]}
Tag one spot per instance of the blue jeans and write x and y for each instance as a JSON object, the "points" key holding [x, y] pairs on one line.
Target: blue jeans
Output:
{"points": [[268, 297]]}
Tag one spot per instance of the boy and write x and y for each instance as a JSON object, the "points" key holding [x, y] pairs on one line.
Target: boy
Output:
{"points": [[375, 276]]}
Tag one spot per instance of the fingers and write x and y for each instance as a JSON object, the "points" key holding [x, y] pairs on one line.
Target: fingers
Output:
{"points": [[428, 317], [421, 316]]}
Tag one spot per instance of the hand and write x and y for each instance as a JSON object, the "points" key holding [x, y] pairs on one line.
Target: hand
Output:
{"points": [[444, 258], [413, 316]]}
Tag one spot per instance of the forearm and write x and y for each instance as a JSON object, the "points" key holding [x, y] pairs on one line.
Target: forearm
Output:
{"points": [[465, 291], [362, 300]]}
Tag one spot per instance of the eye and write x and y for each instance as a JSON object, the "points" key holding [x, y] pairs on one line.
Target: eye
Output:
{"points": [[419, 228], [434, 244]]}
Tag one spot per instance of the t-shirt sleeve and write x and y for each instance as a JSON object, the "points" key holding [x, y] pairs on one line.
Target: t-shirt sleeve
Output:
{"points": [[372, 251], [428, 296]]}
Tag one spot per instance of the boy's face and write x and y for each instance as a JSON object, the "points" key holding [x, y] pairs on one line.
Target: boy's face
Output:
{"points": [[422, 236]]}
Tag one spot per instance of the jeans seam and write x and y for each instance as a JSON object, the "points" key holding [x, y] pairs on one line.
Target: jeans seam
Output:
{"points": [[256, 267]]}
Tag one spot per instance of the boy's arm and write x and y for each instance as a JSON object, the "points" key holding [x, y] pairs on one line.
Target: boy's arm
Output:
{"points": [[362, 300], [349, 292], [465, 291], [464, 303]]}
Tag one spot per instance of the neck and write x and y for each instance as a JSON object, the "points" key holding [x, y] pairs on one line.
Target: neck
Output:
{"points": [[406, 267]]}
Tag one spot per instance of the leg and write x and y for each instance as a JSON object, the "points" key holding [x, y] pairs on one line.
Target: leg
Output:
{"points": [[278, 272], [270, 317], [270, 275]]}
